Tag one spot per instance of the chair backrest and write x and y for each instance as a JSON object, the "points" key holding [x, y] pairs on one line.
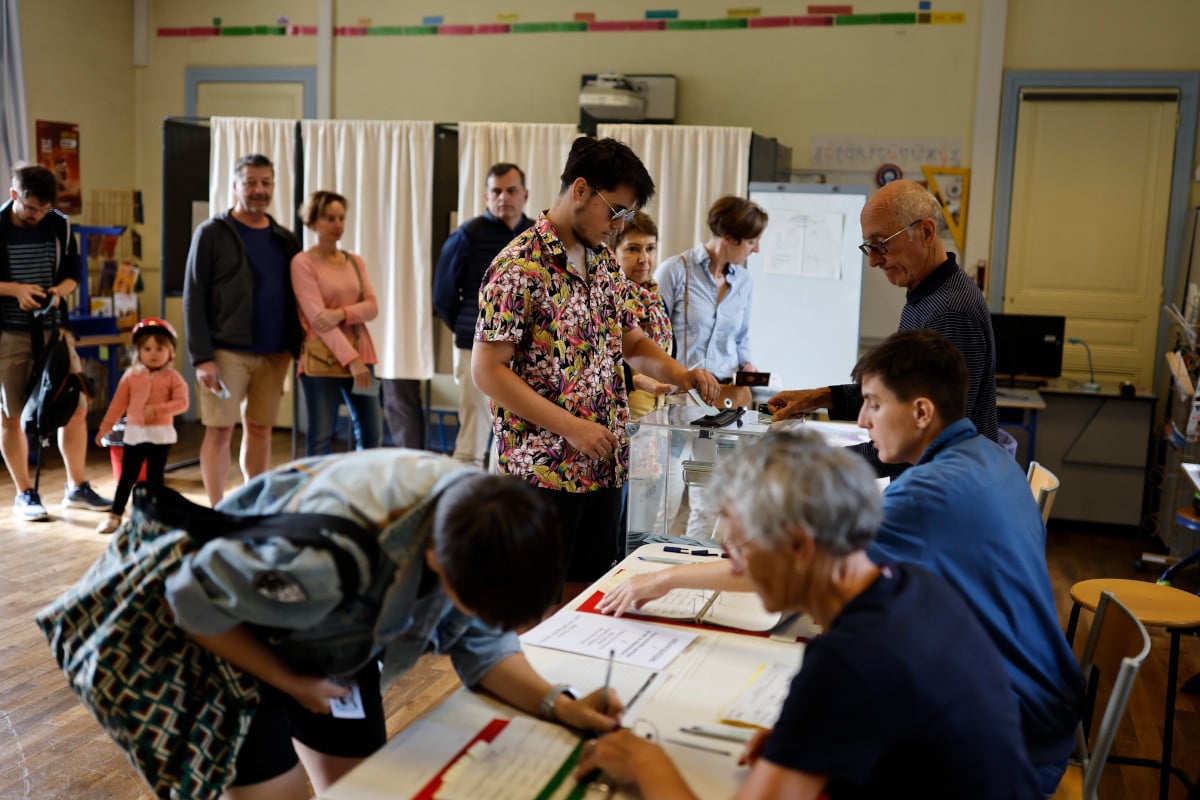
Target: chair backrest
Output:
{"points": [[1043, 483], [1116, 647], [441, 392]]}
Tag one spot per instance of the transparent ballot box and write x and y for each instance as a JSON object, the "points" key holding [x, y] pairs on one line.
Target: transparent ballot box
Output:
{"points": [[671, 464]]}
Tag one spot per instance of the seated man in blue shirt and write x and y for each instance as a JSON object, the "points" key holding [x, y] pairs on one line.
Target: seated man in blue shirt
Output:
{"points": [[903, 695], [964, 511]]}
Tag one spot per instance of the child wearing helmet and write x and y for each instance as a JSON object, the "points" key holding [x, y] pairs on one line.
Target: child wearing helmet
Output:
{"points": [[150, 394]]}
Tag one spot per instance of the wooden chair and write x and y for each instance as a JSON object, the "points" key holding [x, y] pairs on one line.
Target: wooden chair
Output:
{"points": [[1116, 647], [1043, 483]]}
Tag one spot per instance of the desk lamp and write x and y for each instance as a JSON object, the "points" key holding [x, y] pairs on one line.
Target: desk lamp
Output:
{"points": [[1091, 385]]}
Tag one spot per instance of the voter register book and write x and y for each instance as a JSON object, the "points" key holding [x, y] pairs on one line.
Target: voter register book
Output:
{"points": [[742, 611]]}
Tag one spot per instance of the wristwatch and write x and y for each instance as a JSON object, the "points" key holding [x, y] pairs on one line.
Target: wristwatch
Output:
{"points": [[546, 707]]}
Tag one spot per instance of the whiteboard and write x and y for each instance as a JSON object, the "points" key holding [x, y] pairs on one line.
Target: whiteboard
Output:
{"points": [[807, 283]]}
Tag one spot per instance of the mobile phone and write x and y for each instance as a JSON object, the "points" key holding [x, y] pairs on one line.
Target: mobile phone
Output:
{"points": [[369, 391], [222, 391], [48, 302]]}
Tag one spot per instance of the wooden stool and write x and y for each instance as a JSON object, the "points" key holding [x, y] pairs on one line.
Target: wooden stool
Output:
{"points": [[1156, 606]]}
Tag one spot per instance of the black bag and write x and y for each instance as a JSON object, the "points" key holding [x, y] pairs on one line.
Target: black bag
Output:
{"points": [[53, 390]]}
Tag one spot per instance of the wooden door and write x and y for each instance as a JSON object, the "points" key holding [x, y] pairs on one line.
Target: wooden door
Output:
{"points": [[1091, 191]]}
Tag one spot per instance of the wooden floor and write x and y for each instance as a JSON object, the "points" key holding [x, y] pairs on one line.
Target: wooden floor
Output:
{"points": [[51, 749]]}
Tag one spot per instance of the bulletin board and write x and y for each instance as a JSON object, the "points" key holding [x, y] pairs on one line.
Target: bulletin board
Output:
{"points": [[808, 280]]}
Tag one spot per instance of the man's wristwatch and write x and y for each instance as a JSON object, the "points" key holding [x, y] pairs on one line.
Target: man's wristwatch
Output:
{"points": [[546, 707]]}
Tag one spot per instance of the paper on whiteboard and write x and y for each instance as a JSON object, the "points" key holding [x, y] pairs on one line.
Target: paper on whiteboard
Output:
{"points": [[805, 245], [595, 635]]}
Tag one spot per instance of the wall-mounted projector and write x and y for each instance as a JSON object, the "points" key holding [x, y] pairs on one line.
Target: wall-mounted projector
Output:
{"points": [[609, 96], [618, 97]]}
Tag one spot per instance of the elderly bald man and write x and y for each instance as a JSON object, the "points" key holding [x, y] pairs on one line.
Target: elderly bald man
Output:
{"points": [[900, 236]]}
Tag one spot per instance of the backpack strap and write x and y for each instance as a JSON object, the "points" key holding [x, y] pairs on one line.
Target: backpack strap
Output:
{"points": [[203, 524]]}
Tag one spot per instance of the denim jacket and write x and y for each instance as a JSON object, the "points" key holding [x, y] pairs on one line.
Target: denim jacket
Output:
{"points": [[392, 490]]}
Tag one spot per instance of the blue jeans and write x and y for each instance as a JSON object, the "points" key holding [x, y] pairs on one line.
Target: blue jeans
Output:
{"points": [[322, 397]]}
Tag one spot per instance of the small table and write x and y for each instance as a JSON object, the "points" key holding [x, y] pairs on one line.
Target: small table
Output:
{"points": [[1030, 402]]}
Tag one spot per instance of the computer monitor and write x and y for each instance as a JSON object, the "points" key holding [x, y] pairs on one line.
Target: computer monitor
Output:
{"points": [[1028, 345]]}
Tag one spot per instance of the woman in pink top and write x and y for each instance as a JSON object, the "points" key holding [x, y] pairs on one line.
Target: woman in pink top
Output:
{"points": [[151, 393], [334, 298]]}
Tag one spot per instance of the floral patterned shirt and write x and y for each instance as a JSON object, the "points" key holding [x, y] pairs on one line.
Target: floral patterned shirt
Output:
{"points": [[652, 317], [567, 328]]}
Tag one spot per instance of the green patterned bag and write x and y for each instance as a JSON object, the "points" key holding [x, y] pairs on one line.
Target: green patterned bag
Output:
{"points": [[178, 711]]}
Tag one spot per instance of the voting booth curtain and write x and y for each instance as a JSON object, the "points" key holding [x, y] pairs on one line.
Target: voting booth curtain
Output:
{"points": [[540, 150], [385, 170], [234, 137], [692, 165], [14, 117]]}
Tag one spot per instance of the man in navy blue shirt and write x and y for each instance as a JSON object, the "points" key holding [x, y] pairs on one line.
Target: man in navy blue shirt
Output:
{"points": [[465, 258], [242, 327]]}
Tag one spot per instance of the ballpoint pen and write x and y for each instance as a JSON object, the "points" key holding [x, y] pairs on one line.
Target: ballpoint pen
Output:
{"points": [[727, 734], [705, 748], [607, 681], [658, 560]]}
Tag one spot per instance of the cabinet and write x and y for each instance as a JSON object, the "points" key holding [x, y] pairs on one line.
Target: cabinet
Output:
{"points": [[1099, 445]]}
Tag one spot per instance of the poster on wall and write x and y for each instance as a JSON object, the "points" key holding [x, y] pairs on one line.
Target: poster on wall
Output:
{"points": [[58, 149]]}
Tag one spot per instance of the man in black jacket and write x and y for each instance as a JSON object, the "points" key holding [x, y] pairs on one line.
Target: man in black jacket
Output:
{"points": [[242, 327], [39, 263], [465, 258]]}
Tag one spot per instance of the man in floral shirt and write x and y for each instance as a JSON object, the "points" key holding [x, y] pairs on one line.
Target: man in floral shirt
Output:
{"points": [[555, 320]]}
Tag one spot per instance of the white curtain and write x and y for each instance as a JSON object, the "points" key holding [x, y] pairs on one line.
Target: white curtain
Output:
{"points": [[14, 117], [385, 171], [540, 150], [234, 137], [691, 166]]}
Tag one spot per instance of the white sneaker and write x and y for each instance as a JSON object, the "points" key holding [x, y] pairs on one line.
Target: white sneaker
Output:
{"points": [[28, 506]]}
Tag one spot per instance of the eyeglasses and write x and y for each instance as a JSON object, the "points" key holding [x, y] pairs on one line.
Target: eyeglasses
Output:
{"points": [[623, 216], [880, 248]]}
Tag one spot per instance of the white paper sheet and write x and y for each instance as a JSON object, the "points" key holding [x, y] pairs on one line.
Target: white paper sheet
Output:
{"points": [[759, 702], [636, 643], [516, 765]]}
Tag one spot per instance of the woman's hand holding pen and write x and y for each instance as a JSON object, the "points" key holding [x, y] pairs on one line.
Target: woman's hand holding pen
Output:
{"points": [[633, 592], [587, 713], [628, 758]]}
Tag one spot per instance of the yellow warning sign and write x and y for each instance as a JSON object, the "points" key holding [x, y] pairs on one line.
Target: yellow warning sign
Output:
{"points": [[952, 187]]}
